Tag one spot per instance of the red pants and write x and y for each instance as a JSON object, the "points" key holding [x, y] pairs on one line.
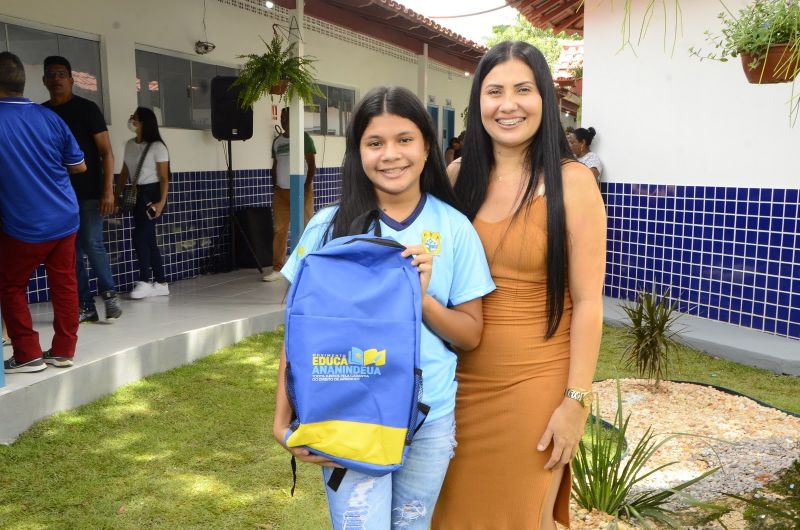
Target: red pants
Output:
{"points": [[280, 221], [18, 260]]}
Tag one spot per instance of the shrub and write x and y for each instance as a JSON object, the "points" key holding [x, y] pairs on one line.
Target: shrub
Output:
{"points": [[603, 475], [650, 335]]}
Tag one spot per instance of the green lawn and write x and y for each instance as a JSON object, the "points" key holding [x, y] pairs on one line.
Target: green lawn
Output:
{"points": [[192, 448], [782, 391]]}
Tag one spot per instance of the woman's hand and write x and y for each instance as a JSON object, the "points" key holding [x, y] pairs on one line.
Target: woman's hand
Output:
{"points": [[301, 453], [158, 207], [564, 430], [423, 261]]}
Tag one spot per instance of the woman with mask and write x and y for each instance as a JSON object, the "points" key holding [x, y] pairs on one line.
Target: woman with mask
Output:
{"points": [[146, 164]]}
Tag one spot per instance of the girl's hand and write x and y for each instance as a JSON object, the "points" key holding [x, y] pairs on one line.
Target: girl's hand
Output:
{"points": [[423, 261], [301, 453], [564, 430]]}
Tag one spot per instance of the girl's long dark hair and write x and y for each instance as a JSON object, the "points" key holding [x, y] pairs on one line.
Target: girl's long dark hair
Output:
{"points": [[358, 192], [546, 152], [149, 125]]}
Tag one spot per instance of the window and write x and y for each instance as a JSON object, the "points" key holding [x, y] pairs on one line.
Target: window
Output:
{"points": [[33, 45], [178, 90], [330, 115]]}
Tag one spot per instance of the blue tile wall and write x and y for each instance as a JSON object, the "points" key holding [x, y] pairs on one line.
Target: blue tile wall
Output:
{"points": [[196, 211], [727, 254]]}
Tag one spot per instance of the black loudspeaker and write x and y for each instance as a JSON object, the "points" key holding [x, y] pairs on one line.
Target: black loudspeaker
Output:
{"points": [[229, 121], [256, 223]]}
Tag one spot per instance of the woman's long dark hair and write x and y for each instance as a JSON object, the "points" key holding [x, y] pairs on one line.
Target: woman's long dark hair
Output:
{"points": [[149, 125], [545, 154], [358, 192]]}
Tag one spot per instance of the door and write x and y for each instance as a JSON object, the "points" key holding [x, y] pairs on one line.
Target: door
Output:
{"points": [[448, 126], [433, 110]]}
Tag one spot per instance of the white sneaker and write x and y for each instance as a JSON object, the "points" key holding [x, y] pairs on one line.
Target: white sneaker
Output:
{"points": [[272, 276], [160, 289], [142, 290]]}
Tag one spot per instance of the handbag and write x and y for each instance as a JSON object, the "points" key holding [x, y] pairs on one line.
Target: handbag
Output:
{"points": [[127, 201]]}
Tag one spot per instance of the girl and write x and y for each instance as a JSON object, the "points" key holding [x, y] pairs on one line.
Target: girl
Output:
{"points": [[392, 162], [523, 395], [147, 154]]}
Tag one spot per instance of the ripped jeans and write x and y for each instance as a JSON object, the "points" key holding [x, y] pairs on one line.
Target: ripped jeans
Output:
{"points": [[403, 499]]}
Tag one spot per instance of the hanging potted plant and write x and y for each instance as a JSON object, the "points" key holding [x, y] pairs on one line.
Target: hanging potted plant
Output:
{"points": [[765, 34], [278, 71]]}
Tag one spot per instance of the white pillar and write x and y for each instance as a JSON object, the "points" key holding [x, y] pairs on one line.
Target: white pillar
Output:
{"points": [[296, 144], [422, 75]]}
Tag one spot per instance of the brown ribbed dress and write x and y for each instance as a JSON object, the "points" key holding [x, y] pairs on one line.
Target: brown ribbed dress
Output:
{"points": [[508, 388]]}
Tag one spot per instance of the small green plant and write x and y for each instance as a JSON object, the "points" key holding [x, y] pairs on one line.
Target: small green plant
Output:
{"points": [[278, 64], [780, 512], [650, 335], [577, 72], [603, 475], [758, 26]]}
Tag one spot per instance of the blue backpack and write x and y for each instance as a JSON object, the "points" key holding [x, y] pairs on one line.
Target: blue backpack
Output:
{"points": [[353, 377]]}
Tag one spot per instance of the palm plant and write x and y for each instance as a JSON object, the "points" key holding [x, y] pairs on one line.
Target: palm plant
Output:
{"points": [[603, 475], [650, 335], [279, 65]]}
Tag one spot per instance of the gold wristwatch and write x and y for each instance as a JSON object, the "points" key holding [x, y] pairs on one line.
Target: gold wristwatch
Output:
{"points": [[584, 397]]}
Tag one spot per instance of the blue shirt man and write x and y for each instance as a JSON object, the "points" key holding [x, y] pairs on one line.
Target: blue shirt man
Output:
{"points": [[38, 220]]}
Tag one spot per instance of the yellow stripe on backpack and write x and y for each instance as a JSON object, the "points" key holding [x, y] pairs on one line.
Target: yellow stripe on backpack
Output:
{"points": [[370, 443]]}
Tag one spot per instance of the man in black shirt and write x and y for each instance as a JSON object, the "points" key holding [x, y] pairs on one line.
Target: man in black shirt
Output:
{"points": [[94, 188]]}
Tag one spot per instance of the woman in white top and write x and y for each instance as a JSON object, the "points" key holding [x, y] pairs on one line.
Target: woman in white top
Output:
{"points": [[147, 156], [579, 141]]}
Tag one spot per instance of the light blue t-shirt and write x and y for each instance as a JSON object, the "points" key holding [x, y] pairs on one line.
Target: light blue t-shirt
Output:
{"points": [[460, 274]]}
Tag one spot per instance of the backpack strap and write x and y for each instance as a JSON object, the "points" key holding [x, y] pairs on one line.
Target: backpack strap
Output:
{"points": [[423, 410], [294, 474], [363, 223], [336, 477]]}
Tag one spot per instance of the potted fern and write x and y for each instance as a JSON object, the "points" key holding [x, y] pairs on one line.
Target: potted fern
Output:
{"points": [[765, 34], [278, 71]]}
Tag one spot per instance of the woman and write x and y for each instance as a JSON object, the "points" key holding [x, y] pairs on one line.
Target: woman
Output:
{"points": [[579, 141], [392, 163], [523, 393], [453, 150], [146, 163]]}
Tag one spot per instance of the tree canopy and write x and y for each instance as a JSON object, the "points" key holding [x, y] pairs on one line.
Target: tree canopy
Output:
{"points": [[522, 30]]}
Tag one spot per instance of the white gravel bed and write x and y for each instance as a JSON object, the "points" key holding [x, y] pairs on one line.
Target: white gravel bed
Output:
{"points": [[750, 442]]}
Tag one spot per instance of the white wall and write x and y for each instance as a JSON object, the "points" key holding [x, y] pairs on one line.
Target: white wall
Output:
{"points": [[175, 25], [676, 120]]}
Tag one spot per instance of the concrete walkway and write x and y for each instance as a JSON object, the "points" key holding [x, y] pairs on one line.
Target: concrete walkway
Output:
{"points": [[738, 344]]}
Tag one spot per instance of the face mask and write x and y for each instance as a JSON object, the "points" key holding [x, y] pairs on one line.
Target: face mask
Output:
{"points": [[131, 126]]}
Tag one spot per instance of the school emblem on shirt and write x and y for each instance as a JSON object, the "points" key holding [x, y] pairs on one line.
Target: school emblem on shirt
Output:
{"points": [[301, 251], [432, 241]]}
